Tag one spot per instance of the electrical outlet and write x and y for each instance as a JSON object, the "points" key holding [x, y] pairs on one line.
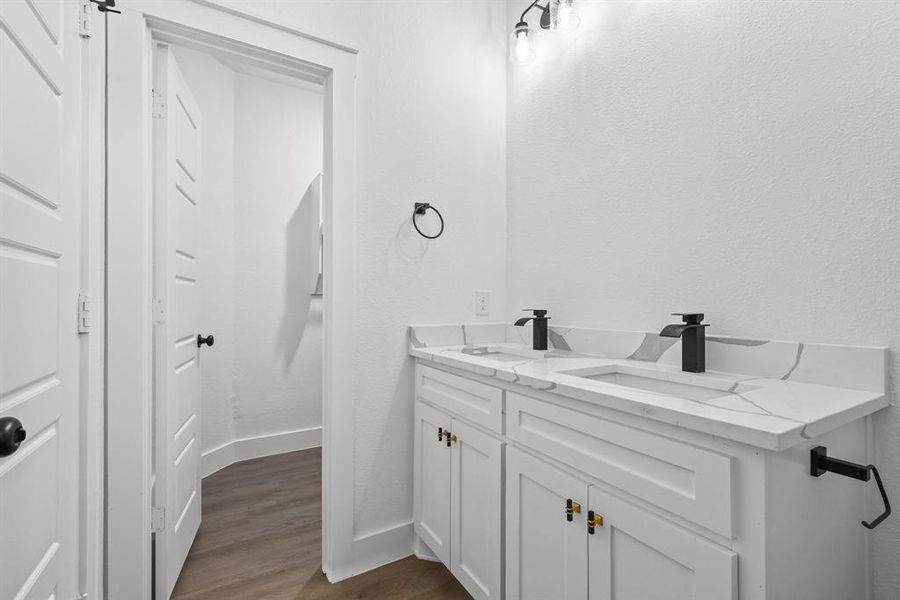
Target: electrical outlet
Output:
{"points": [[482, 303]]}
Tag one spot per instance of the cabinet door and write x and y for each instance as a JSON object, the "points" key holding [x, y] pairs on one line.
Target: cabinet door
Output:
{"points": [[546, 554], [431, 481], [475, 509], [636, 554]]}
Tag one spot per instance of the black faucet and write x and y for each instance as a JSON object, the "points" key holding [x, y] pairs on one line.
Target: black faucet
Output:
{"points": [[693, 341], [539, 329]]}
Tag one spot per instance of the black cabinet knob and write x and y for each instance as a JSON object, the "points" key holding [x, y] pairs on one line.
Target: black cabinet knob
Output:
{"points": [[11, 435], [208, 340]]}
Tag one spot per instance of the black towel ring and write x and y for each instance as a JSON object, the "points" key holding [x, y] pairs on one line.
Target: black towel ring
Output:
{"points": [[420, 209]]}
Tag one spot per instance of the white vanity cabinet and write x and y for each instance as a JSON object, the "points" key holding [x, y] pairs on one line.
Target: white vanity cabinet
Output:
{"points": [[458, 501], [678, 514], [636, 554], [629, 553], [546, 553]]}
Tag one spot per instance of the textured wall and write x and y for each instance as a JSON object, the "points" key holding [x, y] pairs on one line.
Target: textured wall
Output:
{"points": [[740, 158], [431, 111], [212, 84], [278, 326]]}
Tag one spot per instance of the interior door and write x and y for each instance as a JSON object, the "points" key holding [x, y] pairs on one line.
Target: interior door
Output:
{"points": [[475, 504], [41, 160], [431, 480], [177, 195], [546, 553], [635, 554]]}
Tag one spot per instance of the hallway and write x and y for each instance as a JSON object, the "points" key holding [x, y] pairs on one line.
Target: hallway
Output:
{"points": [[261, 539]]}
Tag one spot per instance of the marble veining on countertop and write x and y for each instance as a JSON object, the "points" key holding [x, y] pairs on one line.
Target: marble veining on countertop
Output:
{"points": [[761, 404]]}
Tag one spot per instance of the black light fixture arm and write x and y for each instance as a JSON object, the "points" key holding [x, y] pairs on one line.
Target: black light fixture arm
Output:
{"points": [[820, 463], [106, 6], [545, 13], [530, 6]]}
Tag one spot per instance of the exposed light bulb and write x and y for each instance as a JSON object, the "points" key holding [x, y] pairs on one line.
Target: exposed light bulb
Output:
{"points": [[566, 18], [522, 45], [524, 51]]}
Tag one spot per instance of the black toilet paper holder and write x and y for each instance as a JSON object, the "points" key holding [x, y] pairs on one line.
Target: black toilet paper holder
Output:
{"points": [[820, 463]]}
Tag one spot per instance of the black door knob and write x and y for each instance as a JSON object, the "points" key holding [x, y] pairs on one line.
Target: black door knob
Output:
{"points": [[208, 340], [11, 435]]}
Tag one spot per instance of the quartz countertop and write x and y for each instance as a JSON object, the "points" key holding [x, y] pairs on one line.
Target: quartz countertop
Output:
{"points": [[773, 414]]}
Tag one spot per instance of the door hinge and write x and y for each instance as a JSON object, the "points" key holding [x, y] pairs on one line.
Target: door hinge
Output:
{"points": [[159, 312], [159, 105], [85, 318], [84, 19], [157, 519]]}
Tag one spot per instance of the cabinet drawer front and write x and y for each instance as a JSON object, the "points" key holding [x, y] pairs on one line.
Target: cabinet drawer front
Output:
{"points": [[634, 554], [482, 404], [686, 480]]}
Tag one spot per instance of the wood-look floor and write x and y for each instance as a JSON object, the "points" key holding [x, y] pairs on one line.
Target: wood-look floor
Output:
{"points": [[261, 539]]}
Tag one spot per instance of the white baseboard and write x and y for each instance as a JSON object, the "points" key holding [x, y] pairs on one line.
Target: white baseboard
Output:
{"points": [[257, 447], [423, 552], [376, 549]]}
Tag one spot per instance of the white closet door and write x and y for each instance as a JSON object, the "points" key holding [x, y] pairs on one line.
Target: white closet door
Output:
{"points": [[178, 193], [41, 182], [546, 554]]}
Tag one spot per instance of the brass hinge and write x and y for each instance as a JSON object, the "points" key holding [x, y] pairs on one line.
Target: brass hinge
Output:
{"points": [[159, 312], [84, 19], [157, 519], [85, 317], [158, 108]]}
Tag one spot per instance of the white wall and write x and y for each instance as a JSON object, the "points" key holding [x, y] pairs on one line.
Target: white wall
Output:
{"points": [[262, 146], [431, 109], [739, 158], [212, 84], [278, 326]]}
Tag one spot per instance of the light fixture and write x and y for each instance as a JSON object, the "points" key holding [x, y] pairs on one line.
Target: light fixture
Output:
{"points": [[521, 46], [556, 15], [564, 16]]}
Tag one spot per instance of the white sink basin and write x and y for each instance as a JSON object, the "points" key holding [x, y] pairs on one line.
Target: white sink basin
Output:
{"points": [[701, 388], [509, 353]]}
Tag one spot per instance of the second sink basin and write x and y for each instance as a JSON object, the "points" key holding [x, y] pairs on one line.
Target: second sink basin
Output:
{"points": [[659, 382]]}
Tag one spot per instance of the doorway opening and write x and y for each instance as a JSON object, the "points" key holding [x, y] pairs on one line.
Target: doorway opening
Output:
{"points": [[238, 288], [153, 506]]}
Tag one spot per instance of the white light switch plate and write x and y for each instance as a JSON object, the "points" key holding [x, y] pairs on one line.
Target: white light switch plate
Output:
{"points": [[482, 303]]}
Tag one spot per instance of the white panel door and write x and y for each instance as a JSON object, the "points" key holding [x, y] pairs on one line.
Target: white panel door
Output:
{"points": [[41, 161], [177, 124], [431, 479], [475, 510], [546, 554], [636, 554]]}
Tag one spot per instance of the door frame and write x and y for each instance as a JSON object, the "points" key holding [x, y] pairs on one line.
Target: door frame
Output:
{"points": [[129, 252]]}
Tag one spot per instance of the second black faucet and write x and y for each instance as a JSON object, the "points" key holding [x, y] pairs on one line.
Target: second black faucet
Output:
{"points": [[693, 341], [539, 328]]}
